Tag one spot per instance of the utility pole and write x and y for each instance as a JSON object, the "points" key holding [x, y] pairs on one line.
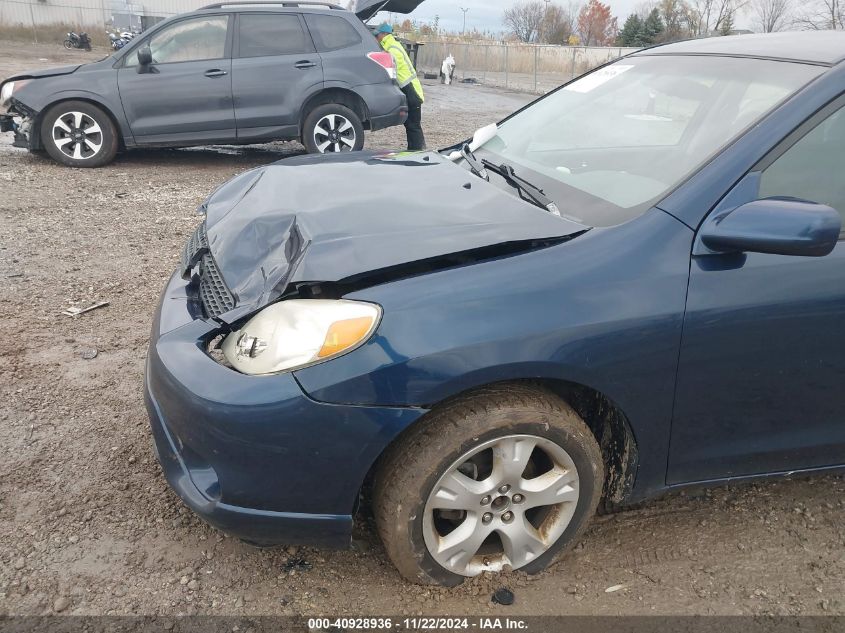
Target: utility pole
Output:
{"points": [[465, 19], [546, 22]]}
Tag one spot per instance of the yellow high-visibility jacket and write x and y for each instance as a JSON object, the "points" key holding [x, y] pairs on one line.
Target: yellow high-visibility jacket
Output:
{"points": [[405, 73]]}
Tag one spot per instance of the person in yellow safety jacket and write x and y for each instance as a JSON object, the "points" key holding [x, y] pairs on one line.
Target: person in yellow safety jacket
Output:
{"points": [[408, 82]]}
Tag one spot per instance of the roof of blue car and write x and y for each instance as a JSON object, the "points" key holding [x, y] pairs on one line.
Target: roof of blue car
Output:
{"points": [[819, 47]]}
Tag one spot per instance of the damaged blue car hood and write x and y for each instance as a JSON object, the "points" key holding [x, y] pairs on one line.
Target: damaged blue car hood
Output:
{"points": [[331, 218]]}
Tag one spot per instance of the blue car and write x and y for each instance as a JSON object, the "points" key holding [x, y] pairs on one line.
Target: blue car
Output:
{"points": [[632, 285]]}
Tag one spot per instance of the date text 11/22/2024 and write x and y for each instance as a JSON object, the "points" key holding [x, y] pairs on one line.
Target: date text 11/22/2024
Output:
{"points": [[418, 624]]}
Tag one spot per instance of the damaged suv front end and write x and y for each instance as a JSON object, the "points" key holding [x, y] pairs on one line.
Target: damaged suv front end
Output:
{"points": [[25, 96], [15, 117]]}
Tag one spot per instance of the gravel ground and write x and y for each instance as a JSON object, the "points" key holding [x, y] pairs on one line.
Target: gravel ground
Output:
{"points": [[89, 526]]}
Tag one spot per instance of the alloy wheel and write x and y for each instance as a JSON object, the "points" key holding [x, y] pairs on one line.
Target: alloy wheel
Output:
{"points": [[334, 133], [502, 503], [77, 135]]}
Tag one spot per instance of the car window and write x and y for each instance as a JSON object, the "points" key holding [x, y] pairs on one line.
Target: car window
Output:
{"points": [[642, 115], [332, 33], [608, 145], [188, 40], [266, 34], [812, 168]]}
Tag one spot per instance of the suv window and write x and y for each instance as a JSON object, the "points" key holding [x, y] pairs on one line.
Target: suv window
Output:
{"points": [[812, 168], [266, 34], [331, 33], [188, 40]]}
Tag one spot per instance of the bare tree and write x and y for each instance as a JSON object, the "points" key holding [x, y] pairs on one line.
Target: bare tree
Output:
{"points": [[706, 16], [770, 15], [675, 15], [558, 24], [525, 19], [823, 15]]}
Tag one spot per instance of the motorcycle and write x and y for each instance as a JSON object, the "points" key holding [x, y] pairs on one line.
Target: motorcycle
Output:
{"points": [[77, 41], [117, 42]]}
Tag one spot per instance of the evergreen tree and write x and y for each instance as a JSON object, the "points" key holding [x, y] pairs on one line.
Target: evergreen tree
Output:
{"points": [[632, 32], [653, 28]]}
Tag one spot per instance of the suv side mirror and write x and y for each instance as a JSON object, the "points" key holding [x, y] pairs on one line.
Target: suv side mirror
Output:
{"points": [[781, 226], [145, 56]]}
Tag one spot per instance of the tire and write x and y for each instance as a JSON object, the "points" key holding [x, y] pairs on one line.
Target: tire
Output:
{"points": [[68, 44], [410, 483], [70, 120], [347, 126]]}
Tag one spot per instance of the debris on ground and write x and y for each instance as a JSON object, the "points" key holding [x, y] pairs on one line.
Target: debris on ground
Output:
{"points": [[614, 588], [73, 312], [504, 596], [90, 353], [296, 563]]}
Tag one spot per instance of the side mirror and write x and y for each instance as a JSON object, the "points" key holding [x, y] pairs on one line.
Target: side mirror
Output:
{"points": [[145, 56], [781, 226]]}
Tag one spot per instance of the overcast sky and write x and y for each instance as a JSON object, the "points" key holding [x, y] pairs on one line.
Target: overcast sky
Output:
{"points": [[487, 14]]}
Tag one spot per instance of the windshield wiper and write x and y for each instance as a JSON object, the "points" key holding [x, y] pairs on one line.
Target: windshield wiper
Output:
{"points": [[475, 165], [527, 191]]}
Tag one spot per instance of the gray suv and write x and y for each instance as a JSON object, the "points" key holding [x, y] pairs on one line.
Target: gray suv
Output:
{"points": [[228, 73]]}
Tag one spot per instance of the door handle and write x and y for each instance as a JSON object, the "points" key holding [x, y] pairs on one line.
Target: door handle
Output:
{"points": [[304, 64], [215, 72]]}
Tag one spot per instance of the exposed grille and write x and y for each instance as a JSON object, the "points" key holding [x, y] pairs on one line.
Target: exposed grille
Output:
{"points": [[215, 296], [194, 249]]}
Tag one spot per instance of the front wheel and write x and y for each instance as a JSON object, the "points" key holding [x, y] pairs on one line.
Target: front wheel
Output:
{"points": [[68, 44], [505, 478], [79, 134], [332, 128]]}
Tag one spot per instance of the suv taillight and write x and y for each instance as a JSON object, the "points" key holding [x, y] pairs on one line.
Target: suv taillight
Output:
{"points": [[385, 60]]}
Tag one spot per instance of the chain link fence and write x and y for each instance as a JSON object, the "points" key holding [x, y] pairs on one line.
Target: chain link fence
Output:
{"points": [[523, 67]]}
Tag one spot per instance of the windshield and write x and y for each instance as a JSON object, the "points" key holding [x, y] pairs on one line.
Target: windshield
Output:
{"points": [[607, 146]]}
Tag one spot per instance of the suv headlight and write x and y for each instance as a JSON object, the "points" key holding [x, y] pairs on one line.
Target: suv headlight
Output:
{"points": [[8, 90], [300, 332]]}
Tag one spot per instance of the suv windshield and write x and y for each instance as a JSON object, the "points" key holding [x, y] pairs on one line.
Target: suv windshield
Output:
{"points": [[610, 144]]}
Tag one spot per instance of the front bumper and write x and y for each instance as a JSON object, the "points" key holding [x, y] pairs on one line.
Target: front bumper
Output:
{"points": [[20, 129], [7, 123], [254, 455]]}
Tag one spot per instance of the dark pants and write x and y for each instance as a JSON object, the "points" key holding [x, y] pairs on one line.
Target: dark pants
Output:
{"points": [[413, 126]]}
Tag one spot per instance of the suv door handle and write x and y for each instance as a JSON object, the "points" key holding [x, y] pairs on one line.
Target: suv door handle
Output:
{"points": [[215, 72], [306, 63]]}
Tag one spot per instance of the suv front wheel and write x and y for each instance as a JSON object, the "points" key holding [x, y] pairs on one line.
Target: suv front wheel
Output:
{"points": [[79, 134], [332, 128]]}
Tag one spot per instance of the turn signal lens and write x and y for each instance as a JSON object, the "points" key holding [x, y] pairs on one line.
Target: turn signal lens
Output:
{"points": [[344, 334]]}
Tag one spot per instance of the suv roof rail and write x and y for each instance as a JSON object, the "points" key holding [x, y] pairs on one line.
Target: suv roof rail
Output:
{"points": [[281, 3]]}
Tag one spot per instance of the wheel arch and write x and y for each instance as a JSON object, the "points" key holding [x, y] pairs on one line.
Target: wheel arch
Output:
{"points": [[608, 423], [336, 94], [36, 142]]}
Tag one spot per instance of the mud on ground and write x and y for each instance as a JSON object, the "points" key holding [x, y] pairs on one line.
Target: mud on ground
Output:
{"points": [[89, 526]]}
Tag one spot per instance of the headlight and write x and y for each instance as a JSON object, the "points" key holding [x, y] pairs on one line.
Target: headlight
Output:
{"points": [[8, 90], [300, 332]]}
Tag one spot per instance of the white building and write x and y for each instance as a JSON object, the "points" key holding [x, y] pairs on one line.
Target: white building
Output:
{"points": [[92, 14]]}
